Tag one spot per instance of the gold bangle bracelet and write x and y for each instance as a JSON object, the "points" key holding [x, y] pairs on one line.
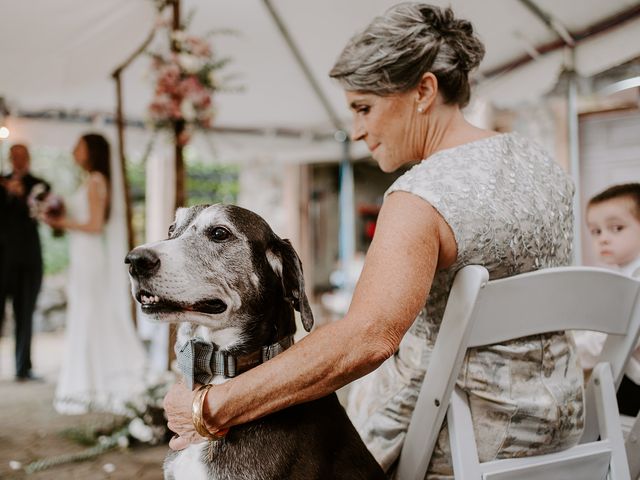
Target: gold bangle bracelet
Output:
{"points": [[197, 409]]}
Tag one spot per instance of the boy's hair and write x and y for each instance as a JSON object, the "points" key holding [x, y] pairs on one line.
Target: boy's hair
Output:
{"points": [[625, 190]]}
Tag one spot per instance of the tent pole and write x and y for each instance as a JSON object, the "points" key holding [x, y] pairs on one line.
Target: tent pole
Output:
{"points": [[574, 162], [346, 196], [346, 201]]}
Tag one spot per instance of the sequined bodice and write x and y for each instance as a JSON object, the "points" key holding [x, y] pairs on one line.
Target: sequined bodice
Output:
{"points": [[508, 205]]}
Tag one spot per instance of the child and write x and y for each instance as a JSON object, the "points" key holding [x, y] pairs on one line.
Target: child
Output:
{"points": [[613, 218]]}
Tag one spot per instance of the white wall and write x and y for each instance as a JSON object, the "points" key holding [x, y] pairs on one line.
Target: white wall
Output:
{"points": [[609, 154]]}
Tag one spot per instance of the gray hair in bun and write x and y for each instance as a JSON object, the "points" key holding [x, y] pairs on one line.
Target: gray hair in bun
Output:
{"points": [[393, 53]]}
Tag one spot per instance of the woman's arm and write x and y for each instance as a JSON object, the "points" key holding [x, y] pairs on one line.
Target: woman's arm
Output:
{"points": [[392, 289], [98, 198]]}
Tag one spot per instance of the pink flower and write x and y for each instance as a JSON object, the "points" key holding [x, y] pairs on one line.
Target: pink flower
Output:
{"points": [[179, 93]]}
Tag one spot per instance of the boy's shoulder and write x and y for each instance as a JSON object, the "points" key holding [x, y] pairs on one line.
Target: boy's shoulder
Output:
{"points": [[632, 269]]}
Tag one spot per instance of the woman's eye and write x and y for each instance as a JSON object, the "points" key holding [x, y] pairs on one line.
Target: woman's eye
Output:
{"points": [[595, 231], [363, 110], [618, 228], [219, 234]]}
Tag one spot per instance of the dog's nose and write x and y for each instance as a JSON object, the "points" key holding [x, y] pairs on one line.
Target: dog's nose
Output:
{"points": [[142, 262]]}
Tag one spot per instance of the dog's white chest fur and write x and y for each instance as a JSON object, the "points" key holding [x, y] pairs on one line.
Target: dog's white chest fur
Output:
{"points": [[187, 465]]}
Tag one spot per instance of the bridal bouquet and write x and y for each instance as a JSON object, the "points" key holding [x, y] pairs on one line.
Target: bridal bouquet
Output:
{"points": [[43, 203], [185, 81]]}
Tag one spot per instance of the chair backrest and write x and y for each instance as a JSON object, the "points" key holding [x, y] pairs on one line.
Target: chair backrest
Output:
{"points": [[480, 312]]}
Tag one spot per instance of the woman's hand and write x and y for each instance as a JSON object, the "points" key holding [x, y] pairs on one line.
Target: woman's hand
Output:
{"points": [[57, 222], [177, 406]]}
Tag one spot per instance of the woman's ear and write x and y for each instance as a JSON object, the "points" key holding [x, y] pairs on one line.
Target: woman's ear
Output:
{"points": [[426, 91], [286, 264]]}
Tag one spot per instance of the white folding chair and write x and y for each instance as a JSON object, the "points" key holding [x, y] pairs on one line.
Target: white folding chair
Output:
{"points": [[481, 313], [632, 446]]}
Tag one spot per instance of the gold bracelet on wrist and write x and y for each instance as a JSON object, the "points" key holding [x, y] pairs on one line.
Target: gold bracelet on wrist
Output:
{"points": [[197, 410]]}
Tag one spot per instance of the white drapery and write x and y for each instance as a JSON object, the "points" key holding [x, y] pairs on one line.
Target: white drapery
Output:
{"points": [[160, 201]]}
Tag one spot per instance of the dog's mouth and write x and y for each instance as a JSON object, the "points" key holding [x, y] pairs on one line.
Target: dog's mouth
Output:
{"points": [[155, 304]]}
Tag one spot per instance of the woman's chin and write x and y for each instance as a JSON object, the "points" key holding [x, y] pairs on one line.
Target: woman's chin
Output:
{"points": [[386, 166]]}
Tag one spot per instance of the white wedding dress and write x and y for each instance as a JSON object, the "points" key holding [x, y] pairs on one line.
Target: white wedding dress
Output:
{"points": [[104, 361]]}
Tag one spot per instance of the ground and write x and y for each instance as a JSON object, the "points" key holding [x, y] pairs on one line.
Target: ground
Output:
{"points": [[32, 430]]}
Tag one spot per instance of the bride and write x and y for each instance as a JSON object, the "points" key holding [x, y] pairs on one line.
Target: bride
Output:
{"points": [[104, 360]]}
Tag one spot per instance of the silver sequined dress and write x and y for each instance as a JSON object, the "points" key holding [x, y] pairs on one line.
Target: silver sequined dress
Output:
{"points": [[509, 207]]}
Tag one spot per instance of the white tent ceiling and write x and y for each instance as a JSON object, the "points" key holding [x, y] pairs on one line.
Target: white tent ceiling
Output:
{"points": [[60, 54]]}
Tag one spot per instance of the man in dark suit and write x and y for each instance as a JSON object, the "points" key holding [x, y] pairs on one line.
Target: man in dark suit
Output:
{"points": [[20, 254]]}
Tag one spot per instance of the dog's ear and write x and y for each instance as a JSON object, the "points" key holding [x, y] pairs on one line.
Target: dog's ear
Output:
{"points": [[286, 264]]}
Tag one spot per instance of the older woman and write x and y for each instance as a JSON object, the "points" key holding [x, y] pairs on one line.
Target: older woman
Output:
{"points": [[473, 197]]}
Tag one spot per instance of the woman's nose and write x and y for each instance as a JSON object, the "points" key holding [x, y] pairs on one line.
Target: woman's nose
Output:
{"points": [[357, 131]]}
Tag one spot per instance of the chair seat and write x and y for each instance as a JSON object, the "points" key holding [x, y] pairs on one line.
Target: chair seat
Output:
{"points": [[584, 462]]}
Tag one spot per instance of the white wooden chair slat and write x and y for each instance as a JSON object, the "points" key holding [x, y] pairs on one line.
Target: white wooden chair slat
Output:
{"points": [[480, 313], [632, 446]]}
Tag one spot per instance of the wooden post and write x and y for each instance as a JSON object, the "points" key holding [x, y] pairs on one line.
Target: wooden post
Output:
{"points": [[123, 170], [178, 129], [116, 75], [123, 165], [178, 126]]}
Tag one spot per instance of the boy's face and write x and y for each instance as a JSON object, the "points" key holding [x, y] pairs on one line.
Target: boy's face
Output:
{"points": [[615, 231]]}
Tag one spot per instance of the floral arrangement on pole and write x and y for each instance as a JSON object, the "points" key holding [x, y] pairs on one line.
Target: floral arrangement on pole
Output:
{"points": [[185, 81]]}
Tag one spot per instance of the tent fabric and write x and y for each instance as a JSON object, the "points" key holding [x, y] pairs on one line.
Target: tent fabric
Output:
{"points": [[60, 55]]}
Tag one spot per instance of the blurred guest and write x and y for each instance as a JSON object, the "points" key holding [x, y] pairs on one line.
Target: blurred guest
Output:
{"points": [[613, 218], [20, 254], [104, 359]]}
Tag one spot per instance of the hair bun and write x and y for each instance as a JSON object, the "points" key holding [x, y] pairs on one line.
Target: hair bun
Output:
{"points": [[458, 33], [394, 52]]}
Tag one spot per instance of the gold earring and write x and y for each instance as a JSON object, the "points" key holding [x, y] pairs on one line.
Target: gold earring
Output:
{"points": [[420, 109]]}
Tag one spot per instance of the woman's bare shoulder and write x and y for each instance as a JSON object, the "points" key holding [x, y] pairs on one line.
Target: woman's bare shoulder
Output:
{"points": [[97, 182]]}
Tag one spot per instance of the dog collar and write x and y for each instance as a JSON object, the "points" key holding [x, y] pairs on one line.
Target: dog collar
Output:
{"points": [[199, 361]]}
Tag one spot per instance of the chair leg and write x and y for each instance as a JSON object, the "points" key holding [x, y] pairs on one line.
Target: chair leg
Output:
{"points": [[462, 440], [632, 446], [609, 420]]}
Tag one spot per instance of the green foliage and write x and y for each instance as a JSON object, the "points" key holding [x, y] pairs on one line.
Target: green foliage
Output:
{"points": [[89, 434], [55, 251], [56, 167], [206, 182], [211, 184]]}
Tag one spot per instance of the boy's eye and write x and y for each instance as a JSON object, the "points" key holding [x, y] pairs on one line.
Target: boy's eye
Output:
{"points": [[617, 228], [595, 231]]}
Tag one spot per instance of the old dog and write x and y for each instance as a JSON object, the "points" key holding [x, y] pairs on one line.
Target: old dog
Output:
{"points": [[232, 283]]}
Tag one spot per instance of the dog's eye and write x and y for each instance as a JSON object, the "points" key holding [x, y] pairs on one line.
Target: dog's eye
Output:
{"points": [[219, 234], [172, 229]]}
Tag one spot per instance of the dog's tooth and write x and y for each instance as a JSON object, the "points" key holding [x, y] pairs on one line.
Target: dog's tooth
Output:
{"points": [[156, 298], [145, 299]]}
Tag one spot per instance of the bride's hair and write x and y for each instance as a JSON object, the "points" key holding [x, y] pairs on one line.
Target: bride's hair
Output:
{"points": [[99, 153]]}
